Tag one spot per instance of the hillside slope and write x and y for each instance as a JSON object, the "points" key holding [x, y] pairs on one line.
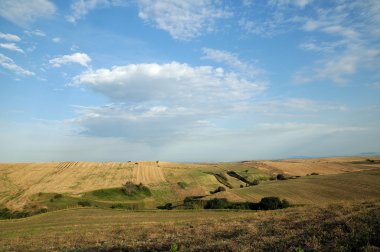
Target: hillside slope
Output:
{"points": [[339, 178]]}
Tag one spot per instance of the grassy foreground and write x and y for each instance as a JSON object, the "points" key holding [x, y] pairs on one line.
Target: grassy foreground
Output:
{"points": [[337, 227]]}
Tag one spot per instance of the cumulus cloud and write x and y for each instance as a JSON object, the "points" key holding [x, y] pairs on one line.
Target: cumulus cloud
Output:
{"points": [[9, 64], [11, 47], [152, 102], [183, 20], [9, 37], [181, 82], [79, 58], [24, 12]]}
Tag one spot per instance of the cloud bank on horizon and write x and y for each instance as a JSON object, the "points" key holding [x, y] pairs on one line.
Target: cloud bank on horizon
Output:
{"points": [[188, 80]]}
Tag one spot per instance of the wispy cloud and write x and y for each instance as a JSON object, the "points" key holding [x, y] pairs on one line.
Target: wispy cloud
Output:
{"points": [[297, 3], [56, 39], [37, 33], [9, 64], [349, 42], [11, 47], [79, 58], [25, 12], [80, 8], [9, 37], [183, 20], [230, 59]]}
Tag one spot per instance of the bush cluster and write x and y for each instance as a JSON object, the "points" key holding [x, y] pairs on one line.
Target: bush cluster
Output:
{"points": [[266, 203], [6, 213], [131, 189]]}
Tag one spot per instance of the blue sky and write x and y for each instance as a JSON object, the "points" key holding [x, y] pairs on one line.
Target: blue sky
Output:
{"points": [[200, 80]]}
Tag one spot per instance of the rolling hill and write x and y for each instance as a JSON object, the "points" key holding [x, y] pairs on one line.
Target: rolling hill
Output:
{"points": [[36, 185]]}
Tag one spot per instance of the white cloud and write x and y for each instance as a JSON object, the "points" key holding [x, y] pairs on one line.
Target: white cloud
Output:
{"points": [[9, 64], [172, 81], [24, 12], [297, 3], [12, 47], [295, 105], [56, 40], [81, 8], [156, 101], [182, 19], [351, 43], [37, 33], [231, 60], [278, 22], [79, 58], [325, 47], [9, 37]]}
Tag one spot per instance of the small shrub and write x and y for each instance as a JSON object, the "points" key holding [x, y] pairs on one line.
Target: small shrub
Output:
{"points": [[84, 203], [285, 203], [173, 247], [121, 206], [314, 173], [42, 210], [183, 185], [255, 182], [281, 177], [58, 196], [241, 186], [167, 206], [219, 189], [272, 178]]}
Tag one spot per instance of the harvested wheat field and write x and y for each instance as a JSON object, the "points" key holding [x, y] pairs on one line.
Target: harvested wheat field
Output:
{"points": [[339, 178]]}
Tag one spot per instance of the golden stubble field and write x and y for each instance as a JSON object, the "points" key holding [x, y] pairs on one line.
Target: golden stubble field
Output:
{"points": [[343, 178]]}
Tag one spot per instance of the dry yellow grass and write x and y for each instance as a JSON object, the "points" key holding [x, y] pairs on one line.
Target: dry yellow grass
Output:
{"points": [[343, 227], [19, 181], [323, 166]]}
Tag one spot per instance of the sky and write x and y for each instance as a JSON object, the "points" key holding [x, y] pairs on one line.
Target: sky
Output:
{"points": [[196, 80]]}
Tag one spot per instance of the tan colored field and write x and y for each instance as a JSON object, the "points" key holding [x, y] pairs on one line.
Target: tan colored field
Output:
{"points": [[323, 166], [338, 227], [20, 181]]}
